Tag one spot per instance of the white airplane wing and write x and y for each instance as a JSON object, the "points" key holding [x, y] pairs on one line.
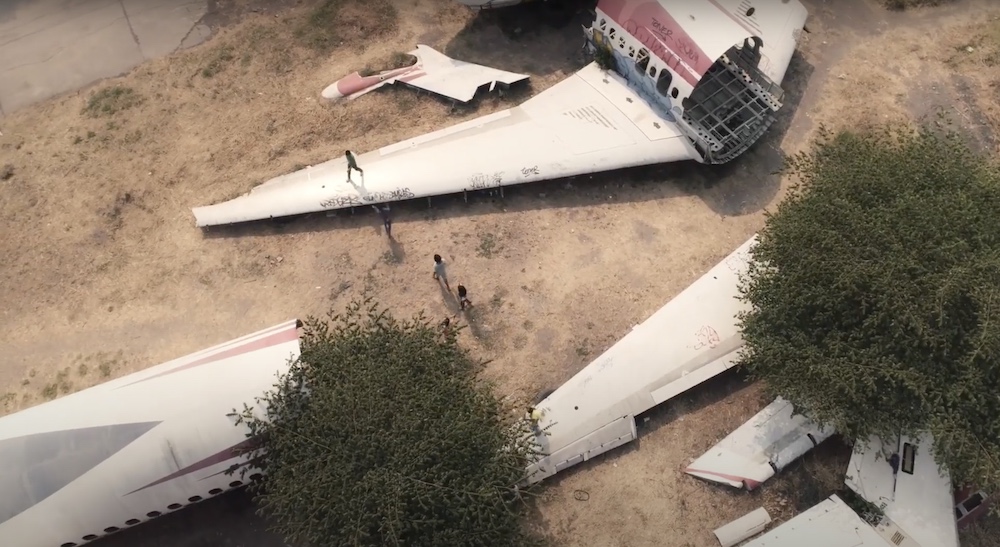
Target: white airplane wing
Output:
{"points": [[691, 339], [592, 121], [761, 447], [433, 71], [918, 498], [830, 523]]}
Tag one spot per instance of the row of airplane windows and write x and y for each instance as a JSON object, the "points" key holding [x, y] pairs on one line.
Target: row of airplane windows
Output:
{"points": [[172, 507], [642, 61]]}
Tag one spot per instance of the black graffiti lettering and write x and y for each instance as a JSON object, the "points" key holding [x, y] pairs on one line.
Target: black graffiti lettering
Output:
{"points": [[481, 181], [371, 197], [662, 30], [340, 201], [528, 171]]}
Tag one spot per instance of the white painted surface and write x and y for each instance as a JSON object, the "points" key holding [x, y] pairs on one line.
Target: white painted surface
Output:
{"points": [[831, 523], [594, 411], [191, 407], [921, 504], [773, 436], [745, 527], [433, 72]]}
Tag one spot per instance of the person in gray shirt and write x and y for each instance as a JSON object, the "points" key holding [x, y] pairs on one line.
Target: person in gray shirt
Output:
{"points": [[439, 272]]}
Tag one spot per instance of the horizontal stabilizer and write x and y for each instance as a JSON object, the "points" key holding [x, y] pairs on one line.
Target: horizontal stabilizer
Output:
{"points": [[916, 497], [761, 447], [830, 523], [433, 71]]}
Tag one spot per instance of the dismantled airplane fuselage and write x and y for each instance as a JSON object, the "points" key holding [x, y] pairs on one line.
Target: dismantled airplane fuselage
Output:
{"points": [[723, 105], [691, 80]]}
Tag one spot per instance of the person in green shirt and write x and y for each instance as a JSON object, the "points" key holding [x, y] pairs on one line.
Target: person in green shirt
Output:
{"points": [[352, 163]]}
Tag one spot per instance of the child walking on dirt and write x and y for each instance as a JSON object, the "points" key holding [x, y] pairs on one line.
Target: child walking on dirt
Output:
{"points": [[463, 298], [352, 163]]}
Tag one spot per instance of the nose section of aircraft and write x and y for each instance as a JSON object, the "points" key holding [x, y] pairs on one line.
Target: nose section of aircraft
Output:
{"points": [[332, 92]]}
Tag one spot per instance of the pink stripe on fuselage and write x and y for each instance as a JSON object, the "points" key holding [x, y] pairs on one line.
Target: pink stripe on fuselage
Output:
{"points": [[661, 34]]}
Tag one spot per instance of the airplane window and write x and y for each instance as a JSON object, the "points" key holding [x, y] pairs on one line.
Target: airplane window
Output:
{"points": [[611, 34], [68, 545], [194, 499], [631, 52], [750, 11], [110, 529], [89, 537], [640, 65], [153, 514], [174, 506], [621, 42], [132, 522], [909, 455], [215, 491], [652, 72], [673, 92], [235, 484], [663, 84], [603, 24]]}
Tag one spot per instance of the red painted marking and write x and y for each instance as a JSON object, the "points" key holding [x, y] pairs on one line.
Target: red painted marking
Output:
{"points": [[353, 83], [661, 34], [749, 484], [287, 335], [217, 458], [707, 336]]}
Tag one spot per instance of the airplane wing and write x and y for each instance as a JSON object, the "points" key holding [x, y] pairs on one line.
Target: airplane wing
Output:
{"points": [[761, 447], [691, 339], [917, 498], [592, 121], [433, 71], [830, 523]]}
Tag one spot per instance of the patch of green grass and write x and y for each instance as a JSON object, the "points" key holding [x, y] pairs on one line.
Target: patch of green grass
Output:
{"points": [[218, 61], [900, 5], [489, 245], [111, 100], [50, 391]]}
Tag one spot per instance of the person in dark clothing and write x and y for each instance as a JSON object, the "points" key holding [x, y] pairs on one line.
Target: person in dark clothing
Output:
{"points": [[383, 212], [352, 163], [463, 298]]}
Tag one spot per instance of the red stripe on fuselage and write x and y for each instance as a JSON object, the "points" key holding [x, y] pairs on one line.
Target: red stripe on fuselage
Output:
{"points": [[217, 458], [661, 34], [279, 337]]}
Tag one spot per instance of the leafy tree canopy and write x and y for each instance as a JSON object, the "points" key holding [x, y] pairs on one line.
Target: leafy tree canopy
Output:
{"points": [[875, 292], [382, 434]]}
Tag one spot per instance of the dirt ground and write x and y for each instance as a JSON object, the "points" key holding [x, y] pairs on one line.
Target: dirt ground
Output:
{"points": [[104, 272]]}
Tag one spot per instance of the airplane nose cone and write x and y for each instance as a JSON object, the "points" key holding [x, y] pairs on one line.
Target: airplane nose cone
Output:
{"points": [[332, 92]]}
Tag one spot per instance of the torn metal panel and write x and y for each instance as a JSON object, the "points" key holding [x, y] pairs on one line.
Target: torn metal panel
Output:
{"points": [[764, 445], [433, 72]]}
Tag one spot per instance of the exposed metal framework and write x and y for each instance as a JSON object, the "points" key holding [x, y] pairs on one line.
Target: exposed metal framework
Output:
{"points": [[732, 105]]}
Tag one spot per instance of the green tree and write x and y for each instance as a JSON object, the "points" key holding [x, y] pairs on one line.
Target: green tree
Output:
{"points": [[381, 433], [874, 293]]}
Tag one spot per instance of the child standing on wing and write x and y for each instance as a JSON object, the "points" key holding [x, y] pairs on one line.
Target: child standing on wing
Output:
{"points": [[352, 163]]}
